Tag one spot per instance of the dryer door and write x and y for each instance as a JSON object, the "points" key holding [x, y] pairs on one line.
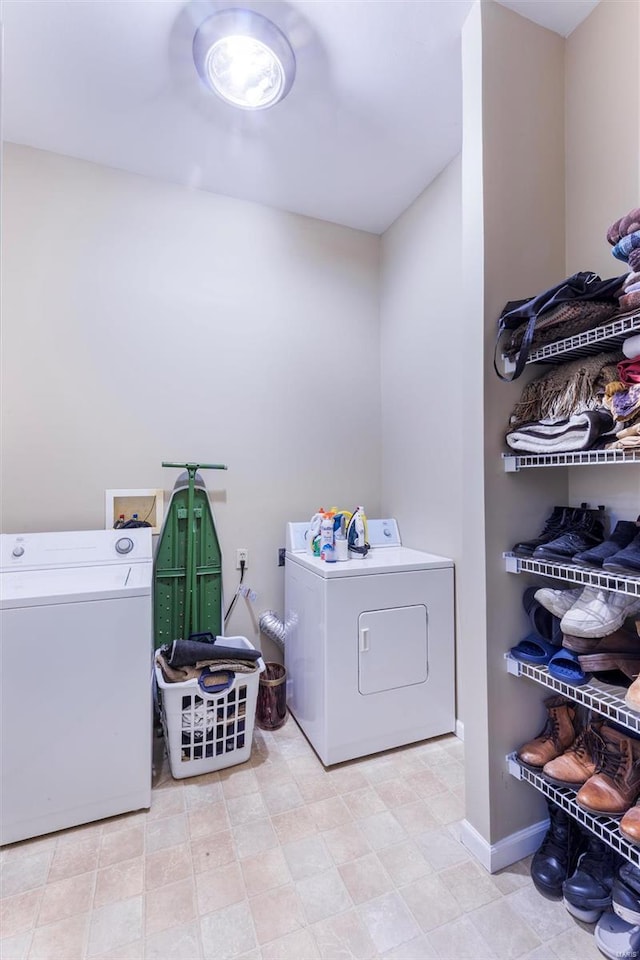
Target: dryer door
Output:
{"points": [[392, 648]]}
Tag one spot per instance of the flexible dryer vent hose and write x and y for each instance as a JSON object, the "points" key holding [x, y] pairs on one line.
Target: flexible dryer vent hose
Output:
{"points": [[273, 627]]}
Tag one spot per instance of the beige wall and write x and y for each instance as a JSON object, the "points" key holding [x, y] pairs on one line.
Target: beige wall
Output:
{"points": [[602, 96], [519, 235], [602, 138], [144, 322], [420, 342]]}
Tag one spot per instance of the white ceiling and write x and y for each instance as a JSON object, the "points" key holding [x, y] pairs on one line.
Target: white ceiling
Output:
{"points": [[373, 116]]}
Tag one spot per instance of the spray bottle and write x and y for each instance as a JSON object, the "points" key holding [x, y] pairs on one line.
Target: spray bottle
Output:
{"points": [[313, 537], [327, 549]]}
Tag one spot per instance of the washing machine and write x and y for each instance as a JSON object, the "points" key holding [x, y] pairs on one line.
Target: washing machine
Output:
{"points": [[369, 645], [75, 658]]}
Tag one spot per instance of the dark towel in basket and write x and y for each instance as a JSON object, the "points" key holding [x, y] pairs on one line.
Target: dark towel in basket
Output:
{"points": [[186, 653]]}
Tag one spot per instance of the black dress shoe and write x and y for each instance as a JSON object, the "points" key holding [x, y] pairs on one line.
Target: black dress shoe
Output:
{"points": [[555, 523], [584, 532], [552, 862], [587, 893]]}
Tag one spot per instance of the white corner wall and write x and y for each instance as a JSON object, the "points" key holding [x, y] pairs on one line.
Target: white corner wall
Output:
{"points": [[420, 338], [145, 322]]}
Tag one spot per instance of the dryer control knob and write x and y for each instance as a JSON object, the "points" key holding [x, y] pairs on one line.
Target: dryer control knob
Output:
{"points": [[18, 551], [387, 532], [124, 545]]}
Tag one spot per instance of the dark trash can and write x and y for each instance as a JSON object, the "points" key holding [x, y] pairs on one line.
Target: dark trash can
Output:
{"points": [[271, 710]]}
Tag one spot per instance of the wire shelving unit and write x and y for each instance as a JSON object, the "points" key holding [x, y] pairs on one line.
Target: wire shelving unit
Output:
{"points": [[619, 583]]}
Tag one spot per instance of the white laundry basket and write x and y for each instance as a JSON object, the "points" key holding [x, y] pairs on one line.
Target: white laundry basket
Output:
{"points": [[205, 732]]}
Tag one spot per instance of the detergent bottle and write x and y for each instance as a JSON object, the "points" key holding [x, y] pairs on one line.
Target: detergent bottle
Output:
{"points": [[313, 538], [327, 548], [357, 533]]}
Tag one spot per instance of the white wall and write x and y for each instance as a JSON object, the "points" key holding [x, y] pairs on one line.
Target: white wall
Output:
{"points": [[145, 322], [420, 339]]}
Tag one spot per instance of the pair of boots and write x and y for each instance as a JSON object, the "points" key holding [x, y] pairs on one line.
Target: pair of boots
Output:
{"points": [[574, 865], [599, 761], [567, 531]]}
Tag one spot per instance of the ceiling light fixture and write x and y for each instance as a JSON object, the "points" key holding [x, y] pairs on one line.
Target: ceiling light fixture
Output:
{"points": [[244, 58]]}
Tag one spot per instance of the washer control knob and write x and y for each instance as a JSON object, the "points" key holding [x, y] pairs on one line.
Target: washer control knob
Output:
{"points": [[17, 551], [124, 545], [387, 532]]}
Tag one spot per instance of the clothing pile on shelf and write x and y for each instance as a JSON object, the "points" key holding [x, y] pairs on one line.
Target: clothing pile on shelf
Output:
{"points": [[624, 237]]}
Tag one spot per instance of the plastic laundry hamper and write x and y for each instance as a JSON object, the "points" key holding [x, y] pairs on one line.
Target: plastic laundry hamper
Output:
{"points": [[205, 732]]}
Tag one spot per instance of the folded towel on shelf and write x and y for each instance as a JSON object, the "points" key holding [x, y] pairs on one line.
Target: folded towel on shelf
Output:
{"points": [[633, 277], [625, 225], [622, 401], [627, 439], [631, 288], [631, 347], [634, 260], [626, 245], [567, 389], [576, 433]]}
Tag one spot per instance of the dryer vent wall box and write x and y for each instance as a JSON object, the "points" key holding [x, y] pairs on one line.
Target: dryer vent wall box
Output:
{"points": [[369, 645], [76, 710]]}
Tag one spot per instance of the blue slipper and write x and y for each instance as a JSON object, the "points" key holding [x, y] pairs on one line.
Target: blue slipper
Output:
{"points": [[565, 666], [533, 649]]}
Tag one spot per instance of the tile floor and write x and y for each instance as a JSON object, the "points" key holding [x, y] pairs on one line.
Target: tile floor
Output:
{"points": [[280, 859]]}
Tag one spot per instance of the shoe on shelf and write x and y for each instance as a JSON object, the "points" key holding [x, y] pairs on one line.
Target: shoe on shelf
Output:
{"points": [[630, 825], [615, 786], [585, 531], [616, 938], [555, 523], [625, 896], [557, 602], [621, 537], [557, 735], [587, 892], [553, 861], [544, 623], [597, 613], [574, 767], [620, 641], [625, 561]]}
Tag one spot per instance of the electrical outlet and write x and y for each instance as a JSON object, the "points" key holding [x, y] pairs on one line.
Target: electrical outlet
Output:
{"points": [[242, 554], [281, 553]]}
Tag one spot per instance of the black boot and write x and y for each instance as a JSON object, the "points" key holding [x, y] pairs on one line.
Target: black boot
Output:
{"points": [[555, 523], [626, 893], [585, 530], [552, 862], [587, 893]]}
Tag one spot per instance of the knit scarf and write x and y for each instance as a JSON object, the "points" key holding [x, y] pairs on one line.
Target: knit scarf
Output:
{"points": [[567, 389]]}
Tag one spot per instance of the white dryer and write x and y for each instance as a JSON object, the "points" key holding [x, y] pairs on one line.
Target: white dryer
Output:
{"points": [[75, 664], [369, 645]]}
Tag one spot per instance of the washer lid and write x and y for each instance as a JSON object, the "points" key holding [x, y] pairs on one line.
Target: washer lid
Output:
{"points": [[378, 560], [25, 588]]}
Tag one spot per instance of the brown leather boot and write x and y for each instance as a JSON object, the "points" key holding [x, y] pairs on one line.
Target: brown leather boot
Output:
{"points": [[578, 763], [616, 784], [630, 824], [558, 734]]}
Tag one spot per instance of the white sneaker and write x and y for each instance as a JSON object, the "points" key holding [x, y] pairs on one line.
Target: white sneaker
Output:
{"points": [[557, 602], [597, 613]]}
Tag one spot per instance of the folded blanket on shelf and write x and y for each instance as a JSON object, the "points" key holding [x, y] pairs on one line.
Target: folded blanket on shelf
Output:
{"points": [[629, 370], [633, 277], [622, 401], [567, 389], [561, 436], [631, 347], [626, 439], [566, 320], [631, 287], [625, 225]]}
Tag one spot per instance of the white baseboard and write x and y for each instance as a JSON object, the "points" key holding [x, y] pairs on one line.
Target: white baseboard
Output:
{"points": [[459, 729], [494, 857]]}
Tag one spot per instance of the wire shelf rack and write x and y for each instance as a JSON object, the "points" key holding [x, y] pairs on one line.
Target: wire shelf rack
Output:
{"points": [[604, 827], [564, 571], [606, 337], [515, 462], [601, 697]]}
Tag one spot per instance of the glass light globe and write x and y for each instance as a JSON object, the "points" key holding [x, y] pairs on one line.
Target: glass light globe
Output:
{"points": [[244, 58], [245, 72]]}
